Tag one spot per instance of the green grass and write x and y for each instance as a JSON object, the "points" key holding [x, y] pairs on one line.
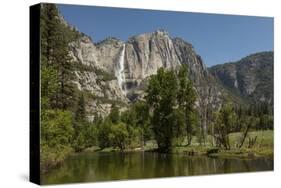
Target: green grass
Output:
{"points": [[262, 148], [264, 138]]}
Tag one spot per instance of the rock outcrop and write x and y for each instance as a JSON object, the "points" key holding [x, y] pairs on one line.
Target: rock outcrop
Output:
{"points": [[251, 77], [117, 71]]}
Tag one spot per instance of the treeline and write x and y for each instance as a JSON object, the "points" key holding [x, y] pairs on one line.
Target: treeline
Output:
{"points": [[166, 114], [58, 94], [230, 119], [127, 130]]}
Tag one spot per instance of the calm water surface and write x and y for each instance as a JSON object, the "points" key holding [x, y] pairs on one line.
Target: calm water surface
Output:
{"points": [[91, 167]]}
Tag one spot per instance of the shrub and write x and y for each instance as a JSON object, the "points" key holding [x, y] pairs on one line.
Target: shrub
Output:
{"points": [[56, 135]]}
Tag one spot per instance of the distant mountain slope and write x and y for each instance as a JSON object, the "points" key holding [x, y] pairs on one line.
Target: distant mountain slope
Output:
{"points": [[251, 77]]}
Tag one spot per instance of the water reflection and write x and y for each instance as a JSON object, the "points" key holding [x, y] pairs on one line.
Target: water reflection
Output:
{"points": [[89, 167]]}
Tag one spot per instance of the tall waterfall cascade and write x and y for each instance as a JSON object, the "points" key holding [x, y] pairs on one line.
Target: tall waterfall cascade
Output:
{"points": [[120, 74]]}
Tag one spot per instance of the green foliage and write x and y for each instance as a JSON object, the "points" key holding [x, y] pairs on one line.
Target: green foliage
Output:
{"points": [[129, 117], [49, 84], [179, 126], [80, 114], [137, 121], [56, 136], [171, 98], [103, 134], [85, 132], [114, 115], [79, 141], [186, 98], [59, 132], [141, 110], [265, 122], [224, 122], [85, 135], [230, 119], [128, 135], [56, 127], [91, 135], [119, 136], [161, 98], [135, 138], [193, 127], [56, 64]]}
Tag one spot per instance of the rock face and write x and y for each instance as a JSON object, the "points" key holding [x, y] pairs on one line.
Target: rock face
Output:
{"points": [[116, 71], [250, 77]]}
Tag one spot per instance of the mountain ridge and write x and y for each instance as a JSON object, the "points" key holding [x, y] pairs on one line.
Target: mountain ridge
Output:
{"points": [[143, 55], [250, 77], [110, 77]]}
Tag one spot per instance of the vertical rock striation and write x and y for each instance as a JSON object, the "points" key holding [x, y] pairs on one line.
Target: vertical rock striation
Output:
{"points": [[114, 70], [250, 78]]}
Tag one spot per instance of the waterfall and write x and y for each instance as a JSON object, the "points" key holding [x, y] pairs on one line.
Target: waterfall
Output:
{"points": [[120, 71]]}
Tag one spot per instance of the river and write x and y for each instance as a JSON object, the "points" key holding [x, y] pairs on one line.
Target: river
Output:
{"points": [[98, 166]]}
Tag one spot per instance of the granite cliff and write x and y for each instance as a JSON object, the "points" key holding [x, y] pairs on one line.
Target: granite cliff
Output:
{"points": [[114, 71], [250, 78]]}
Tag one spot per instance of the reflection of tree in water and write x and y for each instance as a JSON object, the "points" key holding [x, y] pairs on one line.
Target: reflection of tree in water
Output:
{"points": [[132, 165], [180, 165], [190, 167], [202, 166], [246, 166], [74, 169], [116, 166], [226, 165], [270, 163], [164, 165], [214, 165], [112, 166]]}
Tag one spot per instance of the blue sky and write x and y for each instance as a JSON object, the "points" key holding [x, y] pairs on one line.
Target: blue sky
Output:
{"points": [[216, 38]]}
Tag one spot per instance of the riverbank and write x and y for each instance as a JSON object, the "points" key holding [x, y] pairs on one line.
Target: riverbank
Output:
{"points": [[263, 147], [219, 152], [201, 151]]}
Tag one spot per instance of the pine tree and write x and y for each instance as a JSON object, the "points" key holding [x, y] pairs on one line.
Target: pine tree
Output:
{"points": [[80, 114], [114, 115], [56, 64], [49, 77]]}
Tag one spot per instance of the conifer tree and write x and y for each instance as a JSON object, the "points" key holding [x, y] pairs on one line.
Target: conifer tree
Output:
{"points": [[114, 115], [80, 114], [56, 64]]}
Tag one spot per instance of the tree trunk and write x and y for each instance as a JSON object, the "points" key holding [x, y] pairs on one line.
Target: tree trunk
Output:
{"points": [[245, 135]]}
